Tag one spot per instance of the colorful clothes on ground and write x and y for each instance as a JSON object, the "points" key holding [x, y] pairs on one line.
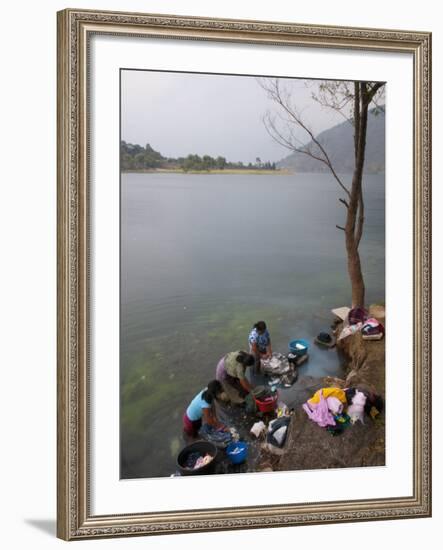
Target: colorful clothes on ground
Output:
{"points": [[319, 412], [328, 392]]}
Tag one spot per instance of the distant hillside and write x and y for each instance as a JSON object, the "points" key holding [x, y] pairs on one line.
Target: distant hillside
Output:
{"points": [[339, 144]]}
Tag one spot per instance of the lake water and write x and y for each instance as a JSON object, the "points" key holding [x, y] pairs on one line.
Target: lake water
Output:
{"points": [[205, 256]]}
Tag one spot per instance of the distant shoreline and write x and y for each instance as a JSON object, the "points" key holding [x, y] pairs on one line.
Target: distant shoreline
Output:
{"points": [[231, 171], [235, 171]]}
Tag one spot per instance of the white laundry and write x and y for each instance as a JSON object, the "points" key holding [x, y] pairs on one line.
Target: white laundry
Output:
{"points": [[258, 428]]}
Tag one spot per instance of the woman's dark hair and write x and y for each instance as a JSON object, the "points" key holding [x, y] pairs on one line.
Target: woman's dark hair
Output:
{"points": [[212, 391], [245, 359], [260, 326]]}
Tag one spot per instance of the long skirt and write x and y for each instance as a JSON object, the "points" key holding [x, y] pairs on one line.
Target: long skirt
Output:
{"points": [[191, 427]]}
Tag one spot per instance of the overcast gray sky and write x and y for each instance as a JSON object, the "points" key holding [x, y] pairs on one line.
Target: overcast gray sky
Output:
{"points": [[179, 114]]}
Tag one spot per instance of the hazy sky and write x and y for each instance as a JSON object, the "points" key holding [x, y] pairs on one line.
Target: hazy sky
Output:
{"points": [[179, 114]]}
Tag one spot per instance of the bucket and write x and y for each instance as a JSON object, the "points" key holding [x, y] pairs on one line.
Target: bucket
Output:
{"points": [[201, 447], [267, 404], [298, 347], [237, 452]]}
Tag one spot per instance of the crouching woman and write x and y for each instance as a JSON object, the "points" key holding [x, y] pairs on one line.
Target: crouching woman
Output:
{"points": [[231, 372], [201, 410]]}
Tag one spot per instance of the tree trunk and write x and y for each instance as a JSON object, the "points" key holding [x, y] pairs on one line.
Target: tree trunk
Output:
{"points": [[364, 93], [356, 277], [355, 217]]}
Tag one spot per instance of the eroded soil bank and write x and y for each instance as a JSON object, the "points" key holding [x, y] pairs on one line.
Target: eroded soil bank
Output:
{"points": [[309, 446]]}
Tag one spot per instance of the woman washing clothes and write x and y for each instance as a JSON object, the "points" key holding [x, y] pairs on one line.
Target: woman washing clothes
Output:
{"points": [[231, 372], [260, 343], [201, 410]]}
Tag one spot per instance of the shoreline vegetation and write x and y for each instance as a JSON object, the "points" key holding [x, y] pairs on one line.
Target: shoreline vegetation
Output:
{"points": [[227, 171], [135, 158]]}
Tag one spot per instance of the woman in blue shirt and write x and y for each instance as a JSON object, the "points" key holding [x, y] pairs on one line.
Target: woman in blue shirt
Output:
{"points": [[201, 410], [260, 342]]}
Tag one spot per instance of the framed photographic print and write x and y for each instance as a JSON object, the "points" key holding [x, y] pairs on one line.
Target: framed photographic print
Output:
{"points": [[243, 274]]}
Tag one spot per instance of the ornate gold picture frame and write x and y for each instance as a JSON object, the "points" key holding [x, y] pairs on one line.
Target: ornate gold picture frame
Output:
{"points": [[75, 519]]}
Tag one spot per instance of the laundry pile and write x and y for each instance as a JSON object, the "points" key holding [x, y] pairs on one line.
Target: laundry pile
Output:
{"points": [[336, 409], [281, 369], [372, 329], [273, 434], [218, 436], [358, 320], [196, 460], [258, 428], [277, 431]]}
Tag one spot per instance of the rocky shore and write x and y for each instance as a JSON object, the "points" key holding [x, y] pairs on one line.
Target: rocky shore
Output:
{"points": [[310, 447]]}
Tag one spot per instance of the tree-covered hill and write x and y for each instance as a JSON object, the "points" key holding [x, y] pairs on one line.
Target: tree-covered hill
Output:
{"points": [[338, 143]]}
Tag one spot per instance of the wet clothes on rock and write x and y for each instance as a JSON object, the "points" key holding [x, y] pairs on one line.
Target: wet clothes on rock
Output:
{"points": [[218, 436], [276, 365]]}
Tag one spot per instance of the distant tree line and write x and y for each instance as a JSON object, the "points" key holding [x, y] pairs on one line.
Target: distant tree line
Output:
{"points": [[136, 157]]}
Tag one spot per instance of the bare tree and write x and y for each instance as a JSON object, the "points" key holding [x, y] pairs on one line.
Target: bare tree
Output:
{"points": [[352, 101]]}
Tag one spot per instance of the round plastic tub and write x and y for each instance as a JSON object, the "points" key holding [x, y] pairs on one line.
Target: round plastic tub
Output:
{"points": [[202, 447], [237, 452], [267, 404], [298, 347]]}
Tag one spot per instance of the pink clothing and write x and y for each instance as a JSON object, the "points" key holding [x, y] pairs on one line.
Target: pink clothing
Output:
{"points": [[372, 322], [319, 412], [334, 405], [220, 372]]}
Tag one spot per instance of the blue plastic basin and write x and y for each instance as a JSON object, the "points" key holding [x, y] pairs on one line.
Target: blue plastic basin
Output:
{"points": [[241, 453], [298, 351]]}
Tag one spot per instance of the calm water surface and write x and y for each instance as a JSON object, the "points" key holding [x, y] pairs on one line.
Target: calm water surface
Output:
{"points": [[203, 257]]}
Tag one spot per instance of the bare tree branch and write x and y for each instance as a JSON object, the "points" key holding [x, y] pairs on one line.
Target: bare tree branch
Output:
{"points": [[274, 92], [335, 95], [373, 89], [352, 101]]}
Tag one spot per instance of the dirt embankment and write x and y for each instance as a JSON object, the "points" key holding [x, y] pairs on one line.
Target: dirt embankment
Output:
{"points": [[310, 447]]}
